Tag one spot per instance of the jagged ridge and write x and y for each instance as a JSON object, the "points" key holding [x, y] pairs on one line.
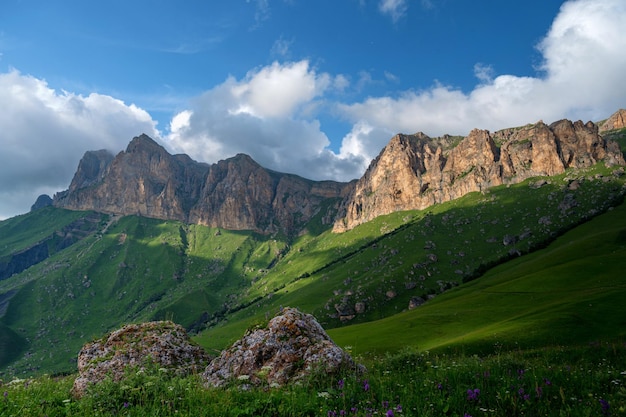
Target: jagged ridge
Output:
{"points": [[411, 172], [415, 171]]}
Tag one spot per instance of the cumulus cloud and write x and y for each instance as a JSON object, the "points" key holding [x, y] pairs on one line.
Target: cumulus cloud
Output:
{"points": [[267, 115], [44, 133], [581, 77]]}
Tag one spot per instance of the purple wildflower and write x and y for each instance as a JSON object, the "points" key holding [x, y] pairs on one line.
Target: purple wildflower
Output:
{"points": [[466, 415], [6, 394], [520, 373], [399, 408], [332, 413], [472, 395], [385, 404], [439, 386], [547, 381], [342, 412], [340, 384], [604, 404], [126, 404], [366, 385], [389, 413]]}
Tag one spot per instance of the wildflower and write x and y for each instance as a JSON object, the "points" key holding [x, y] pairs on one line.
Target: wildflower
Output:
{"points": [[366, 385], [466, 415], [342, 412], [547, 381], [332, 413], [243, 377], [389, 413], [472, 395], [385, 404], [323, 394], [604, 404], [520, 373], [340, 384], [126, 404], [6, 394], [439, 386]]}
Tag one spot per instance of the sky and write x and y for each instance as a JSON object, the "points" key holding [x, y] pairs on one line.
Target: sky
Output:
{"points": [[311, 87]]}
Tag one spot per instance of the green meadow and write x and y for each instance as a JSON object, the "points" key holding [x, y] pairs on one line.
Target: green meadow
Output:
{"points": [[517, 286]]}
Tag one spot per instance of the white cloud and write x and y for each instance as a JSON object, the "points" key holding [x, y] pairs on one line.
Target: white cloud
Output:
{"points": [[268, 115], [394, 8], [581, 77], [44, 133]]}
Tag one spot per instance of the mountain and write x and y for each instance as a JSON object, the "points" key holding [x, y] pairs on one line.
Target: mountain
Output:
{"points": [[72, 276], [236, 194], [411, 172], [416, 172]]}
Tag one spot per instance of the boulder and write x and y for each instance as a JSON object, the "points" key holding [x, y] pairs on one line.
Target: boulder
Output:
{"points": [[161, 344], [292, 347]]}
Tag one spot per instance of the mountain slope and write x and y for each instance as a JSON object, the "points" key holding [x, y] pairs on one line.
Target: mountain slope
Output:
{"points": [[217, 282], [571, 292]]}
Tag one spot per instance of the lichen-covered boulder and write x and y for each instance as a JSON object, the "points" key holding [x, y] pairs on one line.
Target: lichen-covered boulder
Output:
{"points": [[160, 344], [290, 348]]}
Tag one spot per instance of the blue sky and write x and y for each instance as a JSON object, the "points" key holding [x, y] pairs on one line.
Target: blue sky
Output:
{"points": [[315, 88]]}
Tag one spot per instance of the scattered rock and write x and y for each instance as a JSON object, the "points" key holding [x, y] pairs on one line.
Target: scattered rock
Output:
{"points": [[163, 344], [359, 307], [292, 346], [416, 302], [391, 294]]}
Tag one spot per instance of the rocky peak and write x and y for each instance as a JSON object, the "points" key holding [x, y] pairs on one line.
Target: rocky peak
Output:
{"points": [[414, 171], [236, 193], [91, 169], [42, 201], [616, 121]]}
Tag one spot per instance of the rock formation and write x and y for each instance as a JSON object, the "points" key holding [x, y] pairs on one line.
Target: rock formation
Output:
{"points": [[291, 347], [616, 121], [236, 193], [411, 172], [42, 201], [415, 171], [144, 180], [162, 345]]}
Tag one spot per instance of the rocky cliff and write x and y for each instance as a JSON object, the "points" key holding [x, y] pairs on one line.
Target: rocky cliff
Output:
{"points": [[411, 172], [616, 121], [236, 193], [415, 171]]}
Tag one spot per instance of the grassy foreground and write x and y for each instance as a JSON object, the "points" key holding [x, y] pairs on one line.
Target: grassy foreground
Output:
{"points": [[556, 381]]}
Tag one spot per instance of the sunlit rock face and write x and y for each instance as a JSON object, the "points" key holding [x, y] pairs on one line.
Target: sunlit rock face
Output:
{"points": [[415, 171]]}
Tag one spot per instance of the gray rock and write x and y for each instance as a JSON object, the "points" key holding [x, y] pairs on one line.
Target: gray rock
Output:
{"points": [[292, 346], [161, 344]]}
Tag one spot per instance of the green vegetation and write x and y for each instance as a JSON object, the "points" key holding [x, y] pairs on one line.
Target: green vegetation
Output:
{"points": [[216, 283], [571, 381]]}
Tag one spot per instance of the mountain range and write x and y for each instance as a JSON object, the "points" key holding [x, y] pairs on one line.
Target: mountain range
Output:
{"points": [[145, 235], [411, 172]]}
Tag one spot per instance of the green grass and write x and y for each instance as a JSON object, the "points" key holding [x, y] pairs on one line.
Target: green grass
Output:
{"points": [[571, 292], [556, 381], [217, 283]]}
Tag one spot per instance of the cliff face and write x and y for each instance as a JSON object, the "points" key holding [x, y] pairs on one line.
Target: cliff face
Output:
{"points": [[143, 180], [411, 172], [616, 121], [236, 193], [414, 171], [239, 194]]}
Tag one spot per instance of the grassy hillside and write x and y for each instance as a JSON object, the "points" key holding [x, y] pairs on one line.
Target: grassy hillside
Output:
{"points": [[385, 263], [570, 293], [218, 282]]}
